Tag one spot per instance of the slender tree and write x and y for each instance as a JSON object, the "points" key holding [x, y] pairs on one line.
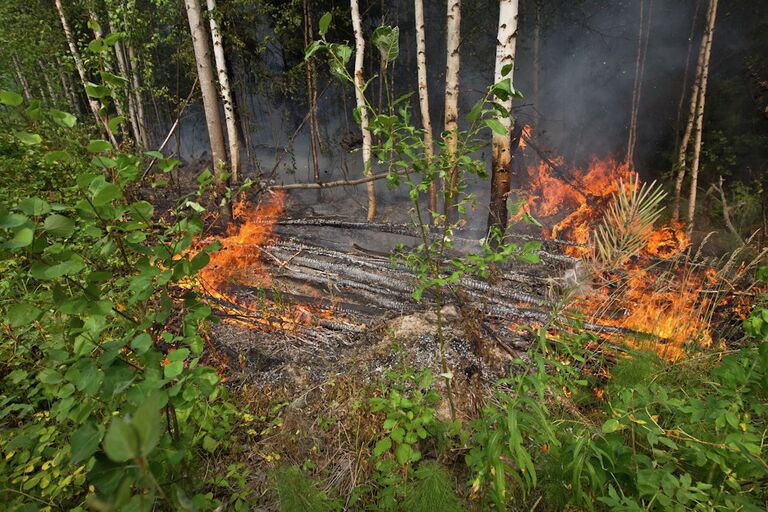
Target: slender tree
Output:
{"points": [[226, 92], [426, 120], [207, 89], [699, 124], [21, 78], [357, 26], [682, 150], [642, 51], [312, 97], [501, 156], [92, 103], [122, 67], [453, 62]]}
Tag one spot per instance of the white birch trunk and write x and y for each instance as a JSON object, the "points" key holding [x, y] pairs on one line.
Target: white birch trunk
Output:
{"points": [[711, 17], [122, 67], [92, 103], [207, 87], [226, 92], [21, 78], [452, 99], [133, 66], [426, 120], [361, 105], [682, 151], [501, 156]]}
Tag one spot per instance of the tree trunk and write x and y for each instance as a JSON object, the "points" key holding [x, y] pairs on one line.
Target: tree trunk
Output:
{"points": [[686, 75], [122, 66], [362, 107], [93, 104], [700, 114], [537, 63], [682, 150], [453, 62], [67, 87], [47, 81], [642, 52], [226, 92], [133, 72], [21, 78], [311, 97], [501, 155], [207, 89], [426, 120]]}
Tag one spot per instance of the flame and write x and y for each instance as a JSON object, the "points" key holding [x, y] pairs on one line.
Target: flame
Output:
{"points": [[669, 309], [239, 262], [238, 258]]}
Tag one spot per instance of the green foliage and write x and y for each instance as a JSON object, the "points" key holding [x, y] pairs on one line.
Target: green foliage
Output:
{"points": [[297, 492], [431, 490], [103, 399], [408, 402]]}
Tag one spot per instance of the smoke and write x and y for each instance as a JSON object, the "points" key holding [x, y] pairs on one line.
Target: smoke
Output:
{"points": [[586, 72]]}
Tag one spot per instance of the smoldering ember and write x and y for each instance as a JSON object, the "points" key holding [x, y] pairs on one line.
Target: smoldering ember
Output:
{"points": [[312, 255]]}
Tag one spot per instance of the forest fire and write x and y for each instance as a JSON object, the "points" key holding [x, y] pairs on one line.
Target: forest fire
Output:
{"points": [[666, 304], [238, 262]]}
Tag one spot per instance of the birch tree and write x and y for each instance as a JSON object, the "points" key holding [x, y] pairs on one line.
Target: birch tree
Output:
{"points": [[699, 123], [702, 69], [426, 120], [21, 78], [451, 121], [207, 89], [92, 103], [643, 37], [501, 156], [361, 105], [226, 92], [311, 96]]}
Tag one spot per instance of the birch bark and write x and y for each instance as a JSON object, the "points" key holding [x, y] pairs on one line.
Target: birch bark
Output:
{"points": [[362, 107]]}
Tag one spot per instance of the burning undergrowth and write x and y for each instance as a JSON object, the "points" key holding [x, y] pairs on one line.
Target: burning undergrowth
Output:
{"points": [[662, 290]]}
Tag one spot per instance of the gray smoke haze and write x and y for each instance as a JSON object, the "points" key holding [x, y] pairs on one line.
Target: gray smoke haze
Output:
{"points": [[587, 69]]}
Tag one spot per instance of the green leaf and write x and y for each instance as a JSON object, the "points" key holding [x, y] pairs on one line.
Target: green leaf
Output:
{"points": [[146, 422], [68, 267], [382, 446], [30, 139], [121, 442], [106, 194], [325, 23], [22, 238], [34, 206], [403, 453], [506, 69], [387, 40], [97, 91], [59, 225], [49, 376], [12, 220], [84, 443], [99, 145], [64, 119], [495, 125], [23, 314], [612, 425], [115, 122], [154, 154], [10, 98], [141, 343], [173, 369]]}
